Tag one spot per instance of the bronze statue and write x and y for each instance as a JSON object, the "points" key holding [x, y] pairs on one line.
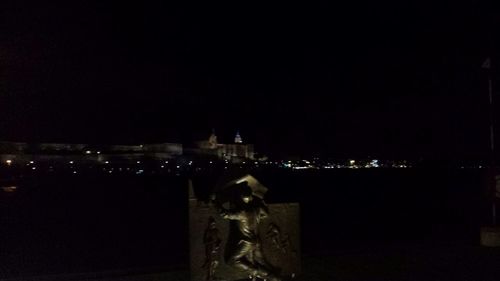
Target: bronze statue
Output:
{"points": [[244, 250], [212, 242]]}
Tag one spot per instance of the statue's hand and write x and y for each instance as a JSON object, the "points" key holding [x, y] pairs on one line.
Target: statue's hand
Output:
{"points": [[224, 214]]}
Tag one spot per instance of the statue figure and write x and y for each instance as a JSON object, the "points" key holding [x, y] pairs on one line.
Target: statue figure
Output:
{"points": [[245, 250], [212, 242]]}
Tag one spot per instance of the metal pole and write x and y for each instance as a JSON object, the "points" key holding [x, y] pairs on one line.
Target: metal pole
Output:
{"points": [[492, 151], [492, 132]]}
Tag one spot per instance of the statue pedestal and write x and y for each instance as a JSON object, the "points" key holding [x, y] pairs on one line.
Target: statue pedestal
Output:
{"points": [[248, 237], [490, 236], [281, 249]]}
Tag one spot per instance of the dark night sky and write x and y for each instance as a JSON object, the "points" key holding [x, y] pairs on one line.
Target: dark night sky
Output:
{"points": [[384, 80]]}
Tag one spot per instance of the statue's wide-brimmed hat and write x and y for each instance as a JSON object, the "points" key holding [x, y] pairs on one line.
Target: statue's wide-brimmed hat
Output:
{"points": [[234, 180]]}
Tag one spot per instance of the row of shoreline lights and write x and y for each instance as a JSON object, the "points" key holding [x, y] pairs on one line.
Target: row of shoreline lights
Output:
{"points": [[352, 164], [9, 162]]}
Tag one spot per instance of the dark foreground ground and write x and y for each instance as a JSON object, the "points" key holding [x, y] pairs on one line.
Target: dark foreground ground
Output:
{"points": [[401, 261], [368, 224]]}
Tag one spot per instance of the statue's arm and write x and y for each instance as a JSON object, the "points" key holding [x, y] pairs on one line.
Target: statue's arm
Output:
{"points": [[231, 215], [264, 211], [225, 213]]}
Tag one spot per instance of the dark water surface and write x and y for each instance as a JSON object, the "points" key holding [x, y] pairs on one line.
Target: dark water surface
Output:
{"points": [[85, 223]]}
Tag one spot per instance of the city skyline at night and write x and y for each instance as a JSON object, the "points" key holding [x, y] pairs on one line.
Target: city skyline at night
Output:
{"points": [[294, 80]]}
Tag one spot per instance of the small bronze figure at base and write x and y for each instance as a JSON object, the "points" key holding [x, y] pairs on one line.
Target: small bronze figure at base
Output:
{"points": [[212, 243]]}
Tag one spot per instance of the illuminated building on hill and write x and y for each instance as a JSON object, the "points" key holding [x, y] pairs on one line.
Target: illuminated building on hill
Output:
{"points": [[235, 152]]}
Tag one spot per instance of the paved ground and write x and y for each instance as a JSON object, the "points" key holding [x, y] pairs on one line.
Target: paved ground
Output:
{"points": [[406, 262], [415, 262]]}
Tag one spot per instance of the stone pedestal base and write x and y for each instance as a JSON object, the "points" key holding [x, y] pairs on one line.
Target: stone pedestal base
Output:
{"points": [[280, 235], [490, 236]]}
